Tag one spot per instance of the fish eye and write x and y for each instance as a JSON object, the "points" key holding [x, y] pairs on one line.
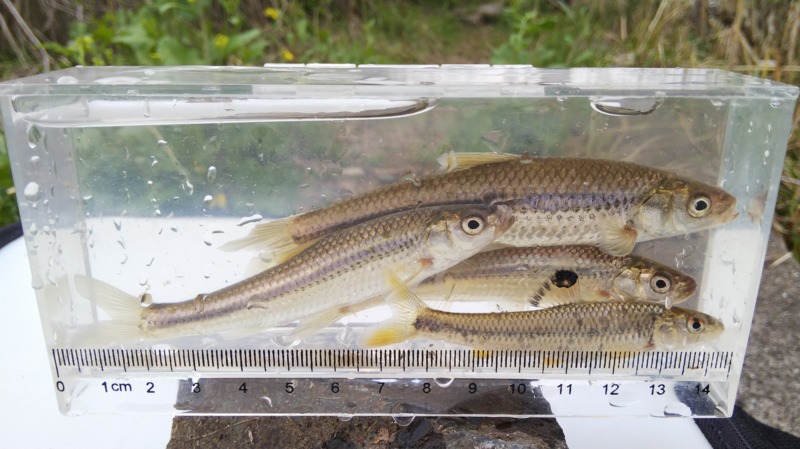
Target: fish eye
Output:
{"points": [[696, 324], [699, 206], [661, 283], [473, 225]]}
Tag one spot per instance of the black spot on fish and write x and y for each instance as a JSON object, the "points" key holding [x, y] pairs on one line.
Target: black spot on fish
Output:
{"points": [[565, 278]]}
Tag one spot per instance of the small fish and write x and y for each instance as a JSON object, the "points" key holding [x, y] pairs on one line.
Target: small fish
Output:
{"points": [[596, 326], [542, 276], [344, 267], [551, 275], [556, 201]]}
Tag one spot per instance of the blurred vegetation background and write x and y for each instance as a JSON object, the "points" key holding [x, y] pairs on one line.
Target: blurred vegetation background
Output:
{"points": [[755, 37]]}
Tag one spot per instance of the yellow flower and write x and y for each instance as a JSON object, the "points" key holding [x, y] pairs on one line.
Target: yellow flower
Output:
{"points": [[272, 13], [287, 55], [221, 41]]}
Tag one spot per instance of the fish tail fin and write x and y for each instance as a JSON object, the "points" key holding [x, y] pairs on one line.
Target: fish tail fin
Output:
{"points": [[406, 307], [118, 304], [107, 333], [274, 238], [124, 309]]}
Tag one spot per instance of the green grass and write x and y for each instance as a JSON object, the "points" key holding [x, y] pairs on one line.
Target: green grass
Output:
{"points": [[736, 35]]}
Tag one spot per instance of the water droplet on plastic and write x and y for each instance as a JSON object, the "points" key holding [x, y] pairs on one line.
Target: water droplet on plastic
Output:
{"points": [[624, 107], [776, 102], [161, 143], [286, 341], [36, 281], [150, 183], [766, 153], [155, 161], [132, 92], [208, 199], [403, 420], [677, 409], [561, 99], [87, 198], [32, 192], [413, 178], [444, 383], [212, 174], [146, 300], [35, 161], [34, 136], [149, 72], [124, 259], [146, 112], [344, 418], [251, 219], [150, 261], [267, 400], [67, 80], [117, 224], [33, 229], [158, 212], [85, 106], [187, 187], [345, 336]]}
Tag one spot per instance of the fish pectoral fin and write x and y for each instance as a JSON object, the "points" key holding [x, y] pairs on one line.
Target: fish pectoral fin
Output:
{"points": [[453, 161], [616, 238], [273, 238], [406, 307], [312, 324]]}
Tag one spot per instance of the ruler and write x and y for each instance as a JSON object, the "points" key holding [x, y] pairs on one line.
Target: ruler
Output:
{"points": [[399, 383]]}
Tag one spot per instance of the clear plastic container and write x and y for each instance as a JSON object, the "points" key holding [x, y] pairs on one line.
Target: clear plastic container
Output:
{"points": [[136, 177]]}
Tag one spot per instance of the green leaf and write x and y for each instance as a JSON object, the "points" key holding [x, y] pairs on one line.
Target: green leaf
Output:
{"points": [[174, 53], [238, 41]]}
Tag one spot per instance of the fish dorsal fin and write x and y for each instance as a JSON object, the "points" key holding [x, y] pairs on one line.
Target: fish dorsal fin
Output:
{"points": [[453, 161], [616, 238], [563, 287], [273, 239]]}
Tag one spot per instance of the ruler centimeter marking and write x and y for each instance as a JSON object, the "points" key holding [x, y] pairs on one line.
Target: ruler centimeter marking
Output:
{"points": [[393, 360]]}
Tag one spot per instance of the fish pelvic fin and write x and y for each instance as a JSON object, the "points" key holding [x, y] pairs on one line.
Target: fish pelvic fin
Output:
{"points": [[274, 238], [453, 161], [406, 307], [312, 324], [616, 238]]}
